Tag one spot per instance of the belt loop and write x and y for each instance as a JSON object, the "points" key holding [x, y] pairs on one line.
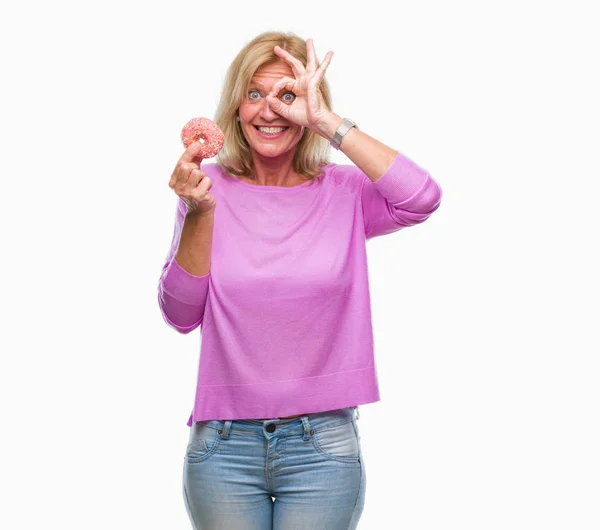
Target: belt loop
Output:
{"points": [[224, 432], [357, 413], [307, 429]]}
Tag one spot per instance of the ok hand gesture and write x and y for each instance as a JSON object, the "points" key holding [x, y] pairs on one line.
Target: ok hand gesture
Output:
{"points": [[308, 109]]}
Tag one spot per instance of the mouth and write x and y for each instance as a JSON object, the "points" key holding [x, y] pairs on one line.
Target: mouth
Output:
{"points": [[271, 132]]}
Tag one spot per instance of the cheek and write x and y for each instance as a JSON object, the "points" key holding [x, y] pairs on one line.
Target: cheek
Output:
{"points": [[298, 134], [245, 112]]}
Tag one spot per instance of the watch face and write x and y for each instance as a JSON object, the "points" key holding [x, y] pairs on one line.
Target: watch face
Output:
{"points": [[346, 125]]}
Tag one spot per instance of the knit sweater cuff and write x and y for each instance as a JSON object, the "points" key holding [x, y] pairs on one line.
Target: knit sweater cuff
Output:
{"points": [[183, 286]]}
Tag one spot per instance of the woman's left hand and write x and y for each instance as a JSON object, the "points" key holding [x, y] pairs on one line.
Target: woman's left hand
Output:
{"points": [[308, 108]]}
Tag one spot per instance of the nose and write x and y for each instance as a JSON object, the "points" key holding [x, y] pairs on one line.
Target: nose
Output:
{"points": [[267, 112]]}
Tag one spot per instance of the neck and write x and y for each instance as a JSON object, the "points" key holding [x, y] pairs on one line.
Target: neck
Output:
{"points": [[274, 171]]}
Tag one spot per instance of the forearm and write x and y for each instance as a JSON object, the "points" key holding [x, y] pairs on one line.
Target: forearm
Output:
{"points": [[195, 245], [400, 193], [369, 154]]}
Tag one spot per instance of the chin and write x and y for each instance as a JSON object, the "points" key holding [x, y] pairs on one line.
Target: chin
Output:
{"points": [[272, 153]]}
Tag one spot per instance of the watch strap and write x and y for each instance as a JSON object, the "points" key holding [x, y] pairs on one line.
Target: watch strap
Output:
{"points": [[344, 127]]}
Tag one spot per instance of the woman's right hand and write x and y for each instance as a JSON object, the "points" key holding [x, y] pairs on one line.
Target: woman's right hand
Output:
{"points": [[192, 184]]}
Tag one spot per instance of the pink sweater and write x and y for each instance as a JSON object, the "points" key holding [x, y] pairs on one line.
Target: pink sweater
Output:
{"points": [[285, 311]]}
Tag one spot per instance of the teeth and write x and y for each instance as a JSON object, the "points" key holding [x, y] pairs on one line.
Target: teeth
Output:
{"points": [[271, 130]]}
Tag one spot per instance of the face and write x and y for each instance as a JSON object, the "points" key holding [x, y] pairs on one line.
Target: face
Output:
{"points": [[255, 112]]}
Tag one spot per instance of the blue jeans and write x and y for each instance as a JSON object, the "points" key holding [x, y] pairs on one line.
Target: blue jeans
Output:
{"points": [[312, 465]]}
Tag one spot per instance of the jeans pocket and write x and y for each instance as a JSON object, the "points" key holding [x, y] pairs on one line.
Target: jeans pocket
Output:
{"points": [[204, 441], [339, 443]]}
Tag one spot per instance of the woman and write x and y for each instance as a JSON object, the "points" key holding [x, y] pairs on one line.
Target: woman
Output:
{"points": [[276, 276]]}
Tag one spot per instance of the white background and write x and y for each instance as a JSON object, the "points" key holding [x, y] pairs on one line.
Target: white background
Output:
{"points": [[485, 316]]}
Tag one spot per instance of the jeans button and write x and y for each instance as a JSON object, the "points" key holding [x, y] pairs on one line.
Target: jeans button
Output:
{"points": [[270, 427]]}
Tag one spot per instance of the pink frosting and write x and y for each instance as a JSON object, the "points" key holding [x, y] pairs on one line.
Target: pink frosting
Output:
{"points": [[207, 132]]}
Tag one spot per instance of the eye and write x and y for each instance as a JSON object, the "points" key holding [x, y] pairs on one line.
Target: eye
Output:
{"points": [[250, 95], [288, 99]]}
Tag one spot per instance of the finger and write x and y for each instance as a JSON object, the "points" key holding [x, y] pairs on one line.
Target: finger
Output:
{"points": [[179, 175], [204, 185], [278, 106], [182, 174], [320, 73], [312, 62], [196, 176], [191, 153], [285, 82], [199, 181], [297, 66], [200, 192]]}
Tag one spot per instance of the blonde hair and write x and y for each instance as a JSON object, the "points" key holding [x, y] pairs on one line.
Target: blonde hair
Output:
{"points": [[235, 156]]}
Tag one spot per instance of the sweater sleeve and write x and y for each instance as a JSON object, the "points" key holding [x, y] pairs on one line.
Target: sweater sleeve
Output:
{"points": [[405, 195], [181, 295]]}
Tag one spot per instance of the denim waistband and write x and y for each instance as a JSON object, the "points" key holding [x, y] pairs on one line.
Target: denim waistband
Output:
{"points": [[285, 426]]}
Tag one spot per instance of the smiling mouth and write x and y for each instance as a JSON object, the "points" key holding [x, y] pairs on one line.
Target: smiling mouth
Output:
{"points": [[271, 131]]}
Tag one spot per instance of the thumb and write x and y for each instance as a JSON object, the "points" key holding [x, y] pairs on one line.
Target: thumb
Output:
{"points": [[197, 158]]}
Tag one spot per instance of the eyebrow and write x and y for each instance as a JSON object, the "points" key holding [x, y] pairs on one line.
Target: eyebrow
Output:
{"points": [[255, 84]]}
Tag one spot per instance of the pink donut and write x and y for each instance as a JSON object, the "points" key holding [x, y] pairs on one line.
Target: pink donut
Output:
{"points": [[205, 131]]}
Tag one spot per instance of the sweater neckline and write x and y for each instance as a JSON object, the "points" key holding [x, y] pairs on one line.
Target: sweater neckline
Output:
{"points": [[270, 189]]}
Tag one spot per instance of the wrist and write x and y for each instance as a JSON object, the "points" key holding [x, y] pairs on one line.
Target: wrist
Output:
{"points": [[198, 215], [327, 127]]}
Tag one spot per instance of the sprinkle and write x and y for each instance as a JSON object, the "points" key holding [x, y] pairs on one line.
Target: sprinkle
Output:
{"points": [[206, 132]]}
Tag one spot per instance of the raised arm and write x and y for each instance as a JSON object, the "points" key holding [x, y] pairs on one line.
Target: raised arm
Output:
{"points": [[181, 293], [184, 281], [395, 192]]}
